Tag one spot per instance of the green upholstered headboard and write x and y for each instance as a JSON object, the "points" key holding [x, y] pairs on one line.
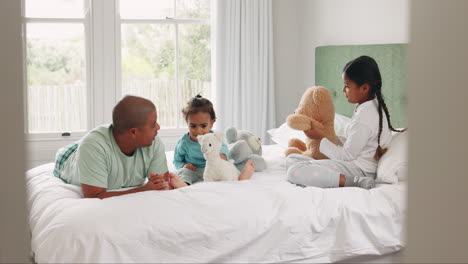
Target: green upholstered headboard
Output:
{"points": [[391, 58]]}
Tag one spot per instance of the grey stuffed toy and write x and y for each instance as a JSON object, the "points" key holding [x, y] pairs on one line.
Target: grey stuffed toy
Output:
{"points": [[243, 146]]}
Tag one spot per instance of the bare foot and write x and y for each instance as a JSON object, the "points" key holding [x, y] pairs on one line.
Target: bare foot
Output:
{"points": [[175, 182], [247, 171]]}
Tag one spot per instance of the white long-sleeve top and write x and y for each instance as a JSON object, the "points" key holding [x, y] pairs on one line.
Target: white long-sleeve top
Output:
{"points": [[361, 134]]}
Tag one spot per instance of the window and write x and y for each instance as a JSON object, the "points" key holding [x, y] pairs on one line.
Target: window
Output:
{"points": [[165, 53], [82, 56], [55, 66]]}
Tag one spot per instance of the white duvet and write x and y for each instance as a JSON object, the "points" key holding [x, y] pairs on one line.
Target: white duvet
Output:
{"points": [[265, 219]]}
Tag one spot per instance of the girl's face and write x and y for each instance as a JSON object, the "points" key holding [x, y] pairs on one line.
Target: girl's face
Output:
{"points": [[199, 124], [354, 93]]}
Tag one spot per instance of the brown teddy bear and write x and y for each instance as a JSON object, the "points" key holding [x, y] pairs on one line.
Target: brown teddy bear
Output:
{"points": [[315, 109]]}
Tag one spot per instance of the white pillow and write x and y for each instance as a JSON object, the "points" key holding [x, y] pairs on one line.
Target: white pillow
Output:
{"points": [[393, 165], [284, 133]]}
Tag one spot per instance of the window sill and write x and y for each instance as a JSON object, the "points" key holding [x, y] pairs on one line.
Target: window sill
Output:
{"points": [[38, 137]]}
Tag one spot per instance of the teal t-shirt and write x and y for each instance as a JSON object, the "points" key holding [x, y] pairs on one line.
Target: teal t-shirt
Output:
{"points": [[189, 151], [98, 161]]}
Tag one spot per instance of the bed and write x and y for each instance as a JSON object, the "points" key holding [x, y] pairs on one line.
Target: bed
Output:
{"points": [[266, 219]]}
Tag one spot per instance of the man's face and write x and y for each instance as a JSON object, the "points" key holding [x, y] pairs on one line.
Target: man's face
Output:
{"points": [[149, 131]]}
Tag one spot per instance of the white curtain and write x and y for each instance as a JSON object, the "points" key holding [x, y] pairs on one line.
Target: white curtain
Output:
{"points": [[243, 65]]}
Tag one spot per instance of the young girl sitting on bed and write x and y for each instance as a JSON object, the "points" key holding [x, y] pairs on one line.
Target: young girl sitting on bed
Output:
{"points": [[188, 158], [354, 163]]}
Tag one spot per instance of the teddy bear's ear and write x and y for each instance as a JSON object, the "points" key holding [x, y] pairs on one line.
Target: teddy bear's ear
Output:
{"points": [[254, 142], [231, 135], [323, 99], [219, 135], [320, 94]]}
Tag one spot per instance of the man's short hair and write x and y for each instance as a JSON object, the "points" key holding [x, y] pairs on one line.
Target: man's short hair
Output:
{"points": [[131, 112]]}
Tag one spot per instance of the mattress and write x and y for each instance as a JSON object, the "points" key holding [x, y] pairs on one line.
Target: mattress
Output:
{"points": [[265, 219]]}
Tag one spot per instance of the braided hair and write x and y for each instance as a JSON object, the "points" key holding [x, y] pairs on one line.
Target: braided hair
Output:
{"points": [[364, 69], [198, 104]]}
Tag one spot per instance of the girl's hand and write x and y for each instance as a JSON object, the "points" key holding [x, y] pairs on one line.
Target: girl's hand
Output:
{"points": [[223, 156], [190, 166], [315, 133]]}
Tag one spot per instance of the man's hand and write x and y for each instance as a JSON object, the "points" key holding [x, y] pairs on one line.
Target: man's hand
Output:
{"points": [[155, 182], [158, 181], [90, 191], [190, 166]]}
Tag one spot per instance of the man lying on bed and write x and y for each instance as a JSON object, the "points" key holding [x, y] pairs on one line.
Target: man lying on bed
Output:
{"points": [[119, 155]]}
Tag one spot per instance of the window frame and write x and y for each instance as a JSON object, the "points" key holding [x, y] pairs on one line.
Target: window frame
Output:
{"points": [[102, 25], [54, 136], [168, 20], [103, 63]]}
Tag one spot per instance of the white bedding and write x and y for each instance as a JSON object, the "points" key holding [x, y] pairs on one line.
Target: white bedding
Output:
{"points": [[265, 219]]}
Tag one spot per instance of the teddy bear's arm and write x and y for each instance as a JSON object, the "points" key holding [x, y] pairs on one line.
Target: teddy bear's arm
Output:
{"points": [[302, 122]]}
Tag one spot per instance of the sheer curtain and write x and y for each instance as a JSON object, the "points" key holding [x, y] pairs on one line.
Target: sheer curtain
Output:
{"points": [[243, 66]]}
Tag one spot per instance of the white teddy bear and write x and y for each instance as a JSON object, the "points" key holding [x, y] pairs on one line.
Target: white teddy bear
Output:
{"points": [[217, 169]]}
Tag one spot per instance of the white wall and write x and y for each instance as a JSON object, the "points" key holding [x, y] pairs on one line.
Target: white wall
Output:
{"points": [[302, 25], [438, 124], [14, 231], [286, 37]]}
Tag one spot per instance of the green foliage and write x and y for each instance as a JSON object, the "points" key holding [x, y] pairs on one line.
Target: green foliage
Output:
{"points": [[147, 46], [194, 55], [193, 9], [148, 52], [52, 62], [137, 68]]}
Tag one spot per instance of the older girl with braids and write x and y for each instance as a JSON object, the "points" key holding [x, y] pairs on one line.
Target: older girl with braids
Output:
{"points": [[354, 162]]}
